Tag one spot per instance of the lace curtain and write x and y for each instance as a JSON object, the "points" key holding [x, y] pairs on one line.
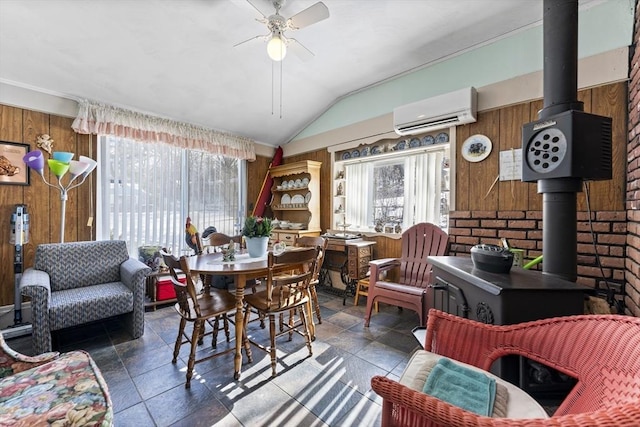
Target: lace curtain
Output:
{"points": [[101, 119]]}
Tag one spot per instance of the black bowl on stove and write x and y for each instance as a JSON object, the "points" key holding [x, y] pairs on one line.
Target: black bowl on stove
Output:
{"points": [[492, 258]]}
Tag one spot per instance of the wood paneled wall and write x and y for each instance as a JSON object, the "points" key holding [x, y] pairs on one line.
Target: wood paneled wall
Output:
{"points": [[43, 202], [474, 181]]}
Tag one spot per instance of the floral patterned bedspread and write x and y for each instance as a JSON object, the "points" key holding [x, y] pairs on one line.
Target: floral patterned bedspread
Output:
{"points": [[68, 391]]}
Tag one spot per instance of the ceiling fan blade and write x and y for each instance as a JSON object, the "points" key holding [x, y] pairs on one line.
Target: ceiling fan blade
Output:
{"points": [[299, 49], [253, 38], [255, 3], [310, 15]]}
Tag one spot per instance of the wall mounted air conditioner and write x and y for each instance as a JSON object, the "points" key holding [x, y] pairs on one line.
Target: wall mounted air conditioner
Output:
{"points": [[438, 112]]}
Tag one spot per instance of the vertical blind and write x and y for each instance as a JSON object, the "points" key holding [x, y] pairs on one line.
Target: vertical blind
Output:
{"points": [[146, 192], [422, 189]]}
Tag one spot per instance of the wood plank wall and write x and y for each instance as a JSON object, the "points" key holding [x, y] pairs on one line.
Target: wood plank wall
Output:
{"points": [[43, 202], [474, 191], [473, 180]]}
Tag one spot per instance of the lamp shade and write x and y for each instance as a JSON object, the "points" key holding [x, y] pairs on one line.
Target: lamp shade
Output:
{"points": [[76, 167], [57, 167], [276, 48], [35, 160], [62, 156], [92, 164]]}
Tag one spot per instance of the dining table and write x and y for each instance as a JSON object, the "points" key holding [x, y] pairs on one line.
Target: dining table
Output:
{"points": [[242, 269]]}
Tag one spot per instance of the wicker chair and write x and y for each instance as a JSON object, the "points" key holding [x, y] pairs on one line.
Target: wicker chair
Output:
{"points": [[602, 352], [418, 242]]}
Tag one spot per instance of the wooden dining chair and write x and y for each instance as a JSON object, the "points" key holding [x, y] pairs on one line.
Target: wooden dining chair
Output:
{"points": [[199, 309], [285, 292], [321, 244]]}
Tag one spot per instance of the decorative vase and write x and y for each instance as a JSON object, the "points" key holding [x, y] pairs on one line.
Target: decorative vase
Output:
{"points": [[257, 246]]}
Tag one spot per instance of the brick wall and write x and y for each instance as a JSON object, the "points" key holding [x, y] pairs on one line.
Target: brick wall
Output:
{"points": [[523, 229], [632, 274]]}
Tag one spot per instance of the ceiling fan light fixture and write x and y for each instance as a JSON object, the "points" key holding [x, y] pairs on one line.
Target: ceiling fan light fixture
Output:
{"points": [[276, 48]]}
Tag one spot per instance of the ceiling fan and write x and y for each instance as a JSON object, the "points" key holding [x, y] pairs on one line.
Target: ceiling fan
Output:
{"points": [[278, 24]]}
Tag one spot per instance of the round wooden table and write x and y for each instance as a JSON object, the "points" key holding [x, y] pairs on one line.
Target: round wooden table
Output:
{"points": [[242, 269]]}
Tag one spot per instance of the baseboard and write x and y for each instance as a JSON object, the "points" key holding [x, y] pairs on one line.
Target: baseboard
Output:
{"points": [[16, 331], [7, 317]]}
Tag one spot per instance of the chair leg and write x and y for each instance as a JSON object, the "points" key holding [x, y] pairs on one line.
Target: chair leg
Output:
{"points": [[245, 337], [225, 319], [306, 319], [197, 329], [272, 338], [176, 348], [216, 328], [314, 298], [367, 316]]}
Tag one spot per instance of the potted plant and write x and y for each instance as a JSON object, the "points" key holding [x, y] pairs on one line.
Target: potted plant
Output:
{"points": [[256, 232]]}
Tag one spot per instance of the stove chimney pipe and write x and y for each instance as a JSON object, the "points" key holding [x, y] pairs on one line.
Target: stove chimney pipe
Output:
{"points": [[560, 74]]}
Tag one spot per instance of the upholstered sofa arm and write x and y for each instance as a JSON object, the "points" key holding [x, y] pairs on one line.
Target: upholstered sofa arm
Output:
{"points": [[33, 279], [133, 274]]}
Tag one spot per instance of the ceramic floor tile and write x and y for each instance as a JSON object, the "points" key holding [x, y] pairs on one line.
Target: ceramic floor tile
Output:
{"points": [[134, 416], [329, 388]]}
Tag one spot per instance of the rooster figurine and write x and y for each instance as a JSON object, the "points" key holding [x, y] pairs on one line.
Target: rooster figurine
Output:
{"points": [[190, 236]]}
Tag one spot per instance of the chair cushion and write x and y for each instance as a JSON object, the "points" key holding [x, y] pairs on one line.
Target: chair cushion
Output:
{"points": [[69, 307], [518, 403]]}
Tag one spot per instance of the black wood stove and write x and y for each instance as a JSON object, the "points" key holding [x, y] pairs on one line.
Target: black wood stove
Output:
{"points": [[501, 299]]}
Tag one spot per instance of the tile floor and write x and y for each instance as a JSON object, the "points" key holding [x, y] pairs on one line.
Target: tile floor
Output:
{"points": [[330, 388]]}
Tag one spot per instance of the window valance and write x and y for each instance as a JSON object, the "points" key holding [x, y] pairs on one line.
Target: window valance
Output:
{"points": [[101, 119]]}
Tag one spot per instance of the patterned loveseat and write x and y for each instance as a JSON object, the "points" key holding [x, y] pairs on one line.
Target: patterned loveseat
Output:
{"points": [[79, 282], [52, 389]]}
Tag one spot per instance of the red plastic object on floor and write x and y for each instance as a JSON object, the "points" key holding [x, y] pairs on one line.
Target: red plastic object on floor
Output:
{"points": [[164, 289]]}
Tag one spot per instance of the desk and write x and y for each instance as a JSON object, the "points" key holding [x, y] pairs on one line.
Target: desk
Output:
{"points": [[349, 256], [243, 269]]}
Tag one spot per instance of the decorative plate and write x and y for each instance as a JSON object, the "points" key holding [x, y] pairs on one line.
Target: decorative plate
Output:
{"points": [[346, 155], [476, 148], [376, 150], [298, 198], [428, 140], [305, 182], [364, 152], [355, 153], [286, 199], [415, 142], [307, 197], [298, 183], [401, 145], [442, 137], [291, 183]]}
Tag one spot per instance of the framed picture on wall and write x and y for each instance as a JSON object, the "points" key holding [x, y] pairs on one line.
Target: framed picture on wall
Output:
{"points": [[13, 170]]}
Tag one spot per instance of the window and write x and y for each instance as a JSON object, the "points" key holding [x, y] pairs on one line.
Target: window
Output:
{"points": [[146, 191], [393, 191]]}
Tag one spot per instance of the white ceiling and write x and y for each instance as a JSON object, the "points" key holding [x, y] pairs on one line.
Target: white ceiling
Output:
{"points": [[177, 59]]}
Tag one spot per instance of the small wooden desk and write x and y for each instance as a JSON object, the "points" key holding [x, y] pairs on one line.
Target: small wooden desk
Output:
{"points": [[349, 256]]}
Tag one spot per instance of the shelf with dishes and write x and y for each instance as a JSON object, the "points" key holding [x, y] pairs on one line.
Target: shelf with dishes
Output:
{"points": [[393, 145], [295, 198]]}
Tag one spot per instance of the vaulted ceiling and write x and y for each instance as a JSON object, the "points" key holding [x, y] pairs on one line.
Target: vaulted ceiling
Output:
{"points": [[178, 59]]}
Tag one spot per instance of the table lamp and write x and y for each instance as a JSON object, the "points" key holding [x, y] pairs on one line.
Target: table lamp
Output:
{"points": [[60, 164]]}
